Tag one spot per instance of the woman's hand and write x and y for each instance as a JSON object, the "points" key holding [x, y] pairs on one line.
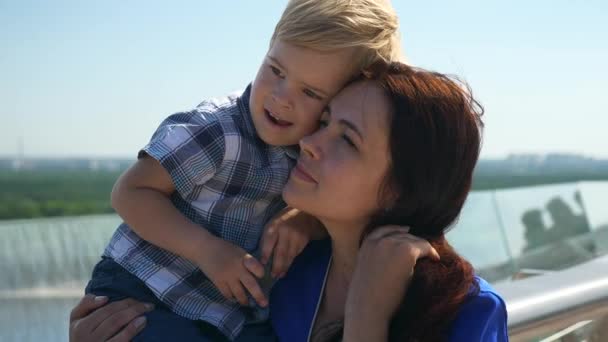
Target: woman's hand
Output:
{"points": [[286, 235], [385, 265], [92, 320]]}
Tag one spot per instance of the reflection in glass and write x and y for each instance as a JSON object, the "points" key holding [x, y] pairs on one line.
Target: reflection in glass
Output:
{"points": [[565, 223], [546, 228]]}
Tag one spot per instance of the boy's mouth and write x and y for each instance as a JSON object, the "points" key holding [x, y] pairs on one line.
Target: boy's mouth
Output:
{"points": [[276, 120]]}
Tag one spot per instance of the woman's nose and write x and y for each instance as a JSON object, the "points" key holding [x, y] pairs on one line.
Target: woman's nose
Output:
{"points": [[310, 146]]}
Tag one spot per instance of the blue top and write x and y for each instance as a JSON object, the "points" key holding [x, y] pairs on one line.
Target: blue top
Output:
{"points": [[294, 301], [228, 181]]}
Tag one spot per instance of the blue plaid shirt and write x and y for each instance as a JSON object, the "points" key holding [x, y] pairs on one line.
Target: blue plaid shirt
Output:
{"points": [[228, 181]]}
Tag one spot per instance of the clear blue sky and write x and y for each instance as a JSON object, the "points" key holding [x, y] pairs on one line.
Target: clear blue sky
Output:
{"points": [[95, 78]]}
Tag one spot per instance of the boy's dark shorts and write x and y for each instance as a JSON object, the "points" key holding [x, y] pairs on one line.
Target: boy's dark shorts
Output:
{"points": [[112, 280]]}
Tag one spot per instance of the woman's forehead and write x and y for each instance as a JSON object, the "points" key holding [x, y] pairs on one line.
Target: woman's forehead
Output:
{"points": [[364, 103]]}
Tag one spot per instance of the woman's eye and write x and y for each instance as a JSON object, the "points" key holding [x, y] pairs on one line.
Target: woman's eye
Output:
{"points": [[348, 140], [323, 123], [311, 94], [275, 71]]}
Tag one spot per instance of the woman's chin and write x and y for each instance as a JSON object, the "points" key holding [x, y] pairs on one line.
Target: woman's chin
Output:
{"points": [[288, 194], [292, 195]]}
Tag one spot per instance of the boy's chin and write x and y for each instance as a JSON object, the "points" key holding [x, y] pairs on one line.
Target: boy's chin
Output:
{"points": [[277, 140]]}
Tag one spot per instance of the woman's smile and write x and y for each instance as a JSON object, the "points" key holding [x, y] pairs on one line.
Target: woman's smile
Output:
{"points": [[300, 173]]}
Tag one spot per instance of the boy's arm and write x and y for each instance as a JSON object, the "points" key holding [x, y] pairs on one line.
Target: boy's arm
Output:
{"points": [[141, 196], [286, 235]]}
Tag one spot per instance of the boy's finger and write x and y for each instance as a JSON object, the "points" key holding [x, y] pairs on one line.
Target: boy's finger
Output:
{"points": [[296, 247], [253, 266], [269, 240], [254, 289], [87, 304], [225, 291], [130, 330], [239, 293], [294, 250], [280, 257]]}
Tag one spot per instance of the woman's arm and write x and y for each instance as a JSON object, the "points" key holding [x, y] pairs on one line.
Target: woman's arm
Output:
{"points": [[385, 266]]}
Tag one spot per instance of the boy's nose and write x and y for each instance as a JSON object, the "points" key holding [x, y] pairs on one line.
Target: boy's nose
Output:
{"points": [[281, 97]]}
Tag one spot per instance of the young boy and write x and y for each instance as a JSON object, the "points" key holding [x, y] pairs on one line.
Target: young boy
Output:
{"points": [[196, 201]]}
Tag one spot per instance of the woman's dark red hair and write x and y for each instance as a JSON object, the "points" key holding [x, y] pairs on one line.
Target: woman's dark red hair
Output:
{"points": [[434, 139]]}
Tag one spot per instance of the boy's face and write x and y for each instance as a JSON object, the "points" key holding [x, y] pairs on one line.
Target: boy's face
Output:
{"points": [[291, 89]]}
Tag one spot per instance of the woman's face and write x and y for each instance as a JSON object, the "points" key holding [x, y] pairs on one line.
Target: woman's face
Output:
{"points": [[342, 165]]}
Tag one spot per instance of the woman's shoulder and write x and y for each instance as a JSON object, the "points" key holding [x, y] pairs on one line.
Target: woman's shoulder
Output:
{"points": [[482, 317], [486, 296], [294, 298]]}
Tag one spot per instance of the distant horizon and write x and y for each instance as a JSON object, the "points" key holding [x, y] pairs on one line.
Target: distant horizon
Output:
{"points": [[482, 157]]}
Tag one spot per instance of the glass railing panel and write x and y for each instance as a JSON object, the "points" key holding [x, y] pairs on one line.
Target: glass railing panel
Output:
{"points": [[546, 226], [478, 237], [46, 262], [595, 200]]}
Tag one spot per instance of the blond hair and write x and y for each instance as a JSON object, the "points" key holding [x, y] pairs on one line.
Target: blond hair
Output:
{"points": [[369, 26]]}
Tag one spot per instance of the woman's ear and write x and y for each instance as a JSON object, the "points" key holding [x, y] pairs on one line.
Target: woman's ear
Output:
{"points": [[388, 197]]}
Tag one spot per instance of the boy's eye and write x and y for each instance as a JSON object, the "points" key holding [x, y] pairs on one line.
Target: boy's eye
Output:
{"points": [[275, 71], [312, 94], [324, 119]]}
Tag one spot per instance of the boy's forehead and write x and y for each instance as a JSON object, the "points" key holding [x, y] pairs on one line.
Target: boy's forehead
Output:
{"points": [[328, 71]]}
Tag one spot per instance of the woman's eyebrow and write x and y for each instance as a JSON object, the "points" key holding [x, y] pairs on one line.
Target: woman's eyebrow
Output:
{"points": [[351, 126], [344, 122]]}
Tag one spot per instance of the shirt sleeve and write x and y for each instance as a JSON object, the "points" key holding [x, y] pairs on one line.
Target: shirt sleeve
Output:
{"points": [[190, 146], [483, 319]]}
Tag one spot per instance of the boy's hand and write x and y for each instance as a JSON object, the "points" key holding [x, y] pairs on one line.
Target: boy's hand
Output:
{"points": [[224, 264], [286, 235]]}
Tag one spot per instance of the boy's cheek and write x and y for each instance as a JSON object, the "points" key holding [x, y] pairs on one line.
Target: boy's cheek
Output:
{"points": [[262, 80]]}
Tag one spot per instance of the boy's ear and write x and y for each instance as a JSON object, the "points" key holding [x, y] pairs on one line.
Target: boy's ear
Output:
{"points": [[375, 70]]}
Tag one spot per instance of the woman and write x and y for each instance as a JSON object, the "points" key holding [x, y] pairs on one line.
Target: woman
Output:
{"points": [[397, 150]]}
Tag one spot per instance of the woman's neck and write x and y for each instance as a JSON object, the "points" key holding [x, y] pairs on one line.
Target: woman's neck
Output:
{"points": [[345, 248], [345, 239]]}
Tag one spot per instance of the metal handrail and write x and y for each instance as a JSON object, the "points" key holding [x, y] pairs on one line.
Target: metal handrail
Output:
{"points": [[546, 303]]}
